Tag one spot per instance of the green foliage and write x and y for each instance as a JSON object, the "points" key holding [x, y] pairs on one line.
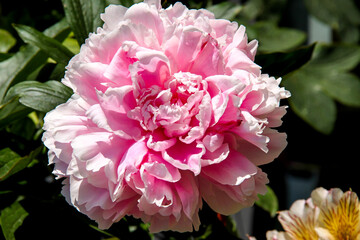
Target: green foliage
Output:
{"points": [[39, 96], [322, 80], [268, 202], [11, 162], [71, 43], [11, 218], [273, 38], [28, 59], [227, 10], [7, 41], [50, 46], [83, 16], [18, 67], [281, 63], [12, 110]]}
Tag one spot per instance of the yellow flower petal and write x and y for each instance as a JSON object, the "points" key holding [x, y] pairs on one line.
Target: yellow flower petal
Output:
{"points": [[341, 216], [299, 226]]}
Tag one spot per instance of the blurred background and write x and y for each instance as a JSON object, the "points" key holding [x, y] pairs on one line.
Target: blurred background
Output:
{"points": [[322, 122]]}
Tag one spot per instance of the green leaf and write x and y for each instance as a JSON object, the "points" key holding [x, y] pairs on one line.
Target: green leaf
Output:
{"points": [[4, 56], [226, 10], [83, 16], [50, 46], [125, 3], [6, 41], [325, 78], [28, 59], [19, 66], [268, 202], [275, 39], [11, 219], [251, 10], [206, 234], [72, 44], [337, 57], [343, 87], [24, 127], [309, 101], [12, 110], [281, 63], [40, 96], [330, 12], [103, 232], [11, 162]]}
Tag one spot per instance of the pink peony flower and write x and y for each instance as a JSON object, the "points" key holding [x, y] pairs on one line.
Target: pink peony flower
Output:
{"points": [[169, 109]]}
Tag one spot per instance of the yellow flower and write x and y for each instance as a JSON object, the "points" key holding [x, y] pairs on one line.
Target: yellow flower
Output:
{"points": [[339, 217], [327, 215]]}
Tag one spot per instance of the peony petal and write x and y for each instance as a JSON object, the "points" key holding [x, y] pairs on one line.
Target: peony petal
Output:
{"points": [[239, 60], [176, 11], [185, 156], [187, 189], [86, 78], [213, 141], [217, 199], [251, 129], [234, 169], [144, 14], [227, 84], [162, 170], [118, 69], [112, 16], [131, 160], [209, 61], [227, 199], [157, 3], [112, 113], [88, 148], [219, 104], [277, 143], [152, 69], [159, 142], [188, 46], [155, 192], [204, 118], [215, 157]]}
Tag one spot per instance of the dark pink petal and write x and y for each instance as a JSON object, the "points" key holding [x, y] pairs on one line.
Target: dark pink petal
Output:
{"points": [[185, 156], [159, 142]]}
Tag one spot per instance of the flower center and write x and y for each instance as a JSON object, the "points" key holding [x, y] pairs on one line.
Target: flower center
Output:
{"points": [[171, 107], [343, 220]]}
